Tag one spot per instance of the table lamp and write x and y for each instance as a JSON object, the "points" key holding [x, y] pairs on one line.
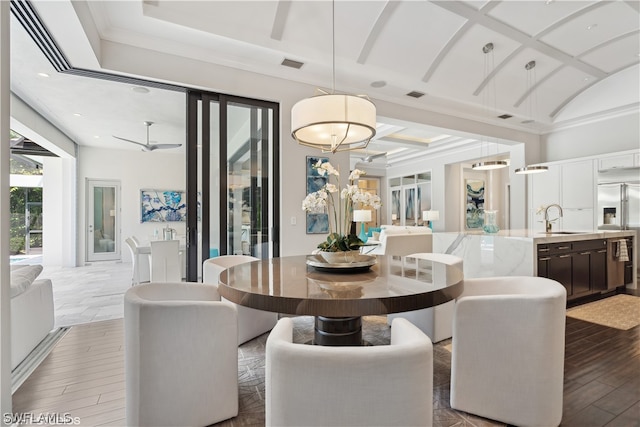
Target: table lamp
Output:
{"points": [[362, 216], [430, 216]]}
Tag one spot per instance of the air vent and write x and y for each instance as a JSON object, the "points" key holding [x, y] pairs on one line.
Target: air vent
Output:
{"points": [[415, 94], [291, 63], [505, 116]]}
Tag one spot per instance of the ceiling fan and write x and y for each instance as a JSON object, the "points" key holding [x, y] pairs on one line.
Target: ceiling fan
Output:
{"points": [[148, 146], [369, 158]]}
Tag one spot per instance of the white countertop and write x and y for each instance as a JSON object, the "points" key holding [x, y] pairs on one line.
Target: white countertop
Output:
{"points": [[557, 236]]}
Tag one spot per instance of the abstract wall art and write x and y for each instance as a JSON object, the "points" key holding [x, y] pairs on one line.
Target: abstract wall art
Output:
{"points": [[475, 203], [163, 206]]}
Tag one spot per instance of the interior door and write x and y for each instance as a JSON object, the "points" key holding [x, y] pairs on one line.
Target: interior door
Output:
{"points": [[103, 220]]}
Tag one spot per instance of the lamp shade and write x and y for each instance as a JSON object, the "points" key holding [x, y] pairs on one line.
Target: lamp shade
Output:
{"points": [[334, 122], [430, 215], [362, 215]]}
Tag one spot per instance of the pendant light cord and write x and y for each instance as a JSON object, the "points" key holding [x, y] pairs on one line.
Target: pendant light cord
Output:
{"points": [[333, 45]]}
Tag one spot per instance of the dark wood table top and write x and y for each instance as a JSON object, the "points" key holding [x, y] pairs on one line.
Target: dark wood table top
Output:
{"points": [[288, 285]]}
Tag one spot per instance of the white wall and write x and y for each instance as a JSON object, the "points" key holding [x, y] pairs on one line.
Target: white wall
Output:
{"points": [[615, 134], [136, 170]]}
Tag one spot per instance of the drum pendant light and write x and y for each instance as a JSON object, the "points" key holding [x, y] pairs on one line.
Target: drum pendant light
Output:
{"points": [[334, 122]]}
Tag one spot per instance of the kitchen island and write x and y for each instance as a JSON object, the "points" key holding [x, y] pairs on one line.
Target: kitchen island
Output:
{"points": [[584, 262]]}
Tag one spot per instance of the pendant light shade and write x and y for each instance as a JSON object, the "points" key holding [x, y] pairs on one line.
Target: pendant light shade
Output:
{"points": [[528, 170], [490, 165], [334, 122]]}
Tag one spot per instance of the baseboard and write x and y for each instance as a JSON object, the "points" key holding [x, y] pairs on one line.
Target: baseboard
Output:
{"points": [[33, 360]]}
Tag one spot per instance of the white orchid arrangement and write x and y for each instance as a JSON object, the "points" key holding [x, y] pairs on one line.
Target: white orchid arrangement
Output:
{"points": [[340, 206]]}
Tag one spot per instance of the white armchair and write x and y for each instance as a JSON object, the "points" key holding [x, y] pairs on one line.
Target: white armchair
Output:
{"points": [[384, 385], [436, 321], [508, 350], [400, 240], [181, 355], [251, 322]]}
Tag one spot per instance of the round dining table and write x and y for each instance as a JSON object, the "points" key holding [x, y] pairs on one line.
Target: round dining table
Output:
{"points": [[338, 298]]}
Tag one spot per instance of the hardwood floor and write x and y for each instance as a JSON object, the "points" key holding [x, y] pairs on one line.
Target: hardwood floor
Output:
{"points": [[84, 377]]}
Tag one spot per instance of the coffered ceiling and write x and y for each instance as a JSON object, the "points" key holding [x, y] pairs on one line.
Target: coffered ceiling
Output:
{"points": [[586, 55]]}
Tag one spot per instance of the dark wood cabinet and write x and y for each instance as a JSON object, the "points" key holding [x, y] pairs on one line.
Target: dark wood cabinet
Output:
{"points": [[580, 266], [580, 273], [598, 270]]}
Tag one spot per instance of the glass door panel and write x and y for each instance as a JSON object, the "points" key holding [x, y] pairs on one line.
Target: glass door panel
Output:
{"points": [[103, 228], [248, 176]]}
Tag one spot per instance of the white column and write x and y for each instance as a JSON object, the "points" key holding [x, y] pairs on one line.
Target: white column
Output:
{"points": [[59, 200], [5, 307]]}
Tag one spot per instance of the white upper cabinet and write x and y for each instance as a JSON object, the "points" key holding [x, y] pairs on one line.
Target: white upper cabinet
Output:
{"points": [[544, 188], [578, 185], [615, 162]]}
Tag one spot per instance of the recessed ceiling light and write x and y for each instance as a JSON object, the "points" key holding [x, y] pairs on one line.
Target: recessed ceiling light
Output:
{"points": [[96, 136], [548, 2], [140, 89], [586, 79], [592, 26], [379, 83], [43, 75], [77, 114]]}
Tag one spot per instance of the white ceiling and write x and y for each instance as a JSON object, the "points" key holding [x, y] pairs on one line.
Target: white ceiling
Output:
{"points": [[586, 53]]}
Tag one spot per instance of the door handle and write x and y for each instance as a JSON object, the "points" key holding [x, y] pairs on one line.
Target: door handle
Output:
{"points": [[564, 256], [544, 259]]}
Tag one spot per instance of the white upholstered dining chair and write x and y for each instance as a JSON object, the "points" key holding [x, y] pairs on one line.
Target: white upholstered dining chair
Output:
{"points": [[507, 359], [251, 322], [133, 249], [436, 321], [165, 261], [181, 355], [312, 385]]}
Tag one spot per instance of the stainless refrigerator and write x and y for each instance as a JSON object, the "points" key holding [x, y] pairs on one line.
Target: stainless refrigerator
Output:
{"points": [[619, 206]]}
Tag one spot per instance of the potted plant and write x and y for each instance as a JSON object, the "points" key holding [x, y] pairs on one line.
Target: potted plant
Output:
{"points": [[339, 204]]}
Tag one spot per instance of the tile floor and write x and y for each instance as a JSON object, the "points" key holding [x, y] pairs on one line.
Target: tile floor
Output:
{"points": [[89, 293]]}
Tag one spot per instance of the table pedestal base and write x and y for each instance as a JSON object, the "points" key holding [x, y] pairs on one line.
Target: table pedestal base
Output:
{"points": [[337, 331]]}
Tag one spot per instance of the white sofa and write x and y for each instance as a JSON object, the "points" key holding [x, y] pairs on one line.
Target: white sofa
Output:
{"points": [[401, 240], [31, 310]]}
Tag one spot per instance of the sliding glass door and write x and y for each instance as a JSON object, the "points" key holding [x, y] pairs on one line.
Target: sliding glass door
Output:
{"points": [[234, 147]]}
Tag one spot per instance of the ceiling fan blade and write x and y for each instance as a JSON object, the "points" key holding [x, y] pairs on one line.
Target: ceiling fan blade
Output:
{"points": [[369, 158], [128, 140], [165, 146]]}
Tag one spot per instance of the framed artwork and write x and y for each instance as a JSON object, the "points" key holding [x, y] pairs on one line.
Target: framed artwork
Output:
{"points": [[475, 203], [316, 222], [164, 206]]}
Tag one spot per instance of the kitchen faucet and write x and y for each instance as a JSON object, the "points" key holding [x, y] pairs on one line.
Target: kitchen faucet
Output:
{"points": [[547, 222]]}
